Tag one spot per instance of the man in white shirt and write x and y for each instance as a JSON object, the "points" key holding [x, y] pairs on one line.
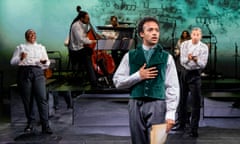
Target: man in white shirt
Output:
{"points": [[150, 73], [81, 46], [32, 58], [193, 57]]}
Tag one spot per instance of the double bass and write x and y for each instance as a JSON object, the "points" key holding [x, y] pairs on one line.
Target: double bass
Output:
{"points": [[102, 62]]}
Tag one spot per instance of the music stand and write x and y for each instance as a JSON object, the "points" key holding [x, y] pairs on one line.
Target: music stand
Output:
{"points": [[104, 44]]}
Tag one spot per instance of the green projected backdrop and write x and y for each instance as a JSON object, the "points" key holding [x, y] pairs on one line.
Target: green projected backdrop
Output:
{"points": [[219, 20]]}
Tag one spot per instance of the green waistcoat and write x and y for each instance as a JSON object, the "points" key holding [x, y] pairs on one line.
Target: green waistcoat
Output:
{"points": [[150, 88]]}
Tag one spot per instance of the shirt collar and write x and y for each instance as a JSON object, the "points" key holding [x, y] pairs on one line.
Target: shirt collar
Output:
{"points": [[28, 43], [147, 47], [197, 44]]}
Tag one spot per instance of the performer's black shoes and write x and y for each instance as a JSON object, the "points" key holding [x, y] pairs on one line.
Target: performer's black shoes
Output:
{"points": [[193, 134], [28, 128], [47, 130]]}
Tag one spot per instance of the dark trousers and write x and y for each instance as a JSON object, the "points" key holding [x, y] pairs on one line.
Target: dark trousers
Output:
{"points": [[142, 115], [83, 58], [181, 78], [191, 83], [31, 83]]}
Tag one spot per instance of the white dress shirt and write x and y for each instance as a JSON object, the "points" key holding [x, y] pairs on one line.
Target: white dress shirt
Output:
{"points": [[35, 53], [122, 79], [200, 50], [78, 36]]}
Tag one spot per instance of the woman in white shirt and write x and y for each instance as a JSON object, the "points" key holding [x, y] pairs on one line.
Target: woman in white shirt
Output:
{"points": [[32, 58]]}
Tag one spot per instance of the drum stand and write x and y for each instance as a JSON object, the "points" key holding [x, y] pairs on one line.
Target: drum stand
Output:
{"points": [[213, 71]]}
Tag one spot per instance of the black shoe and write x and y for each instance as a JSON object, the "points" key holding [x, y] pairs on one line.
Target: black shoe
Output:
{"points": [[178, 127], [47, 130], [236, 105], [193, 134], [56, 107], [28, 128], [69, 107]]}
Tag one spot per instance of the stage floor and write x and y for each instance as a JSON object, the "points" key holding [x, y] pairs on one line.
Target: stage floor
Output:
{"points": [[103, 119], [100, 116]]}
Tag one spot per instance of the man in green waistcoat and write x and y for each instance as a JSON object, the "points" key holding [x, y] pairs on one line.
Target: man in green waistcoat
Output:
{"points": [[150, 73]]}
